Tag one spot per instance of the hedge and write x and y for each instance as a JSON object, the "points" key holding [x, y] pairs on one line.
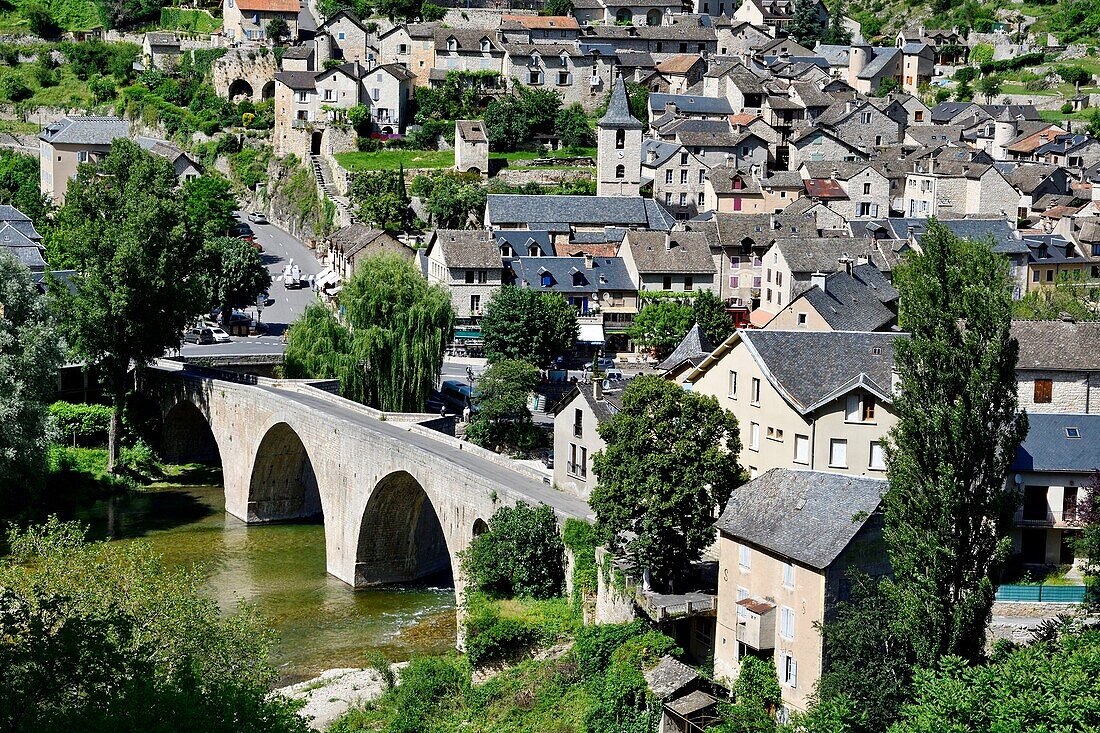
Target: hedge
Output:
{"points": [[89, 423]]}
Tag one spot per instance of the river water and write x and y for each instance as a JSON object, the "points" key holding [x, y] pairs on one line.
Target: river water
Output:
{"points": [[322, 623]]}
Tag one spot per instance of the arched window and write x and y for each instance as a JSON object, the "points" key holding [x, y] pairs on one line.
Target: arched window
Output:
{"points": [[620, 171], [623, 15], [620, 139]]}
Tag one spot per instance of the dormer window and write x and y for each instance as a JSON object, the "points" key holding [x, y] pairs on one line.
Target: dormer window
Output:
{"points": [[547, 280], [578, 279], [452, 44], [485, 45], [533, 251], [506, 250], [737, 184]]}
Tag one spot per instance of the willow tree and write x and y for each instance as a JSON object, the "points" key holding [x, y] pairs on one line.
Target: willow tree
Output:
{"points": [[320, 347]]}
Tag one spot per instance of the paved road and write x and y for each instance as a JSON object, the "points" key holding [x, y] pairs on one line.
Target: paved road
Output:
{"points": [[536, 491]]}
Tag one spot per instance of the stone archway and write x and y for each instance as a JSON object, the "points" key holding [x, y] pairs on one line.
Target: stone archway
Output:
{"points": [[480, 527], [186, 436], [268, 92], [400, 537], [240, 89], [653, 17], [283, 484]]}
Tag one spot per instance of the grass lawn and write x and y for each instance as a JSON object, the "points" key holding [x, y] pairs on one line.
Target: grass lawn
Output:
{"points": [[194, 21], [396, 157], [532, 154], [15, 127], [1054, 115]]}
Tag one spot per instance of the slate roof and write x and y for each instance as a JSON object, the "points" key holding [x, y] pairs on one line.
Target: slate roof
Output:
{"points": [[22, 223], [618, 110], [807, 516], [472, 130], [357, 239], [669, 677], [606, 273], [1058, 345], [945, 112], [85, 130], [1029, 176], [692, 348], [23, 249], [602, 409], [928, 135], [818, 254], [298, 52], [811, 367], [691, 104], [297, 79], [856, 301], [664, 151], [623, 211], [688, 252], [467, 247], [1048, 446], [721, 179], [521, 241], [1005, 239], [162, 39]]}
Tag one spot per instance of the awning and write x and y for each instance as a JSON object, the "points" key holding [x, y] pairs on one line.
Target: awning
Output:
{"points": [[590, 333], [467, 334], [326, 277]]}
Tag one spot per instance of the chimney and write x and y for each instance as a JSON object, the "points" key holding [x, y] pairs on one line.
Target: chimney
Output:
{"points": [[587, 261], [668, 241], [845, 263], [817, 280], [911, 232], [597, 388], [862, 260]]}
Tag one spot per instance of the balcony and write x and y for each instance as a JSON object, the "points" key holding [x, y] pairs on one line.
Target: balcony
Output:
{"points": [[756, 623], [1044, 517]]}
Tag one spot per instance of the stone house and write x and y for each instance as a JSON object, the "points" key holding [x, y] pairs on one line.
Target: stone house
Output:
{"points": [[1059, 367], [735, 37], [349, 246], [815, 144], [578, 77], [857, 298], [539, 28], [954, 189], [573, 216], [1033, 181], [160, 50], [471, 147], [867, 191], [730, 189], [343, 37], [791, 262], [678, 177], [683, 72], [686, 34], [1052, 470], [466, 49], [677, 261], [395, 46], [689, 105], [246, 20], [787, 539], [468, 263], [299, 58], [386, 92], [776, 14], [813, 400], [864, 125]]}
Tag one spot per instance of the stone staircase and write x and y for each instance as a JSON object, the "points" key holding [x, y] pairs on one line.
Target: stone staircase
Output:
{"points": [[321, 171]]}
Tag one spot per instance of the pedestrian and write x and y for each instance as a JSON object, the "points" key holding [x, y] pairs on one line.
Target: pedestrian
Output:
{"points": [[443, 411], [312, 282], [466, 414]]}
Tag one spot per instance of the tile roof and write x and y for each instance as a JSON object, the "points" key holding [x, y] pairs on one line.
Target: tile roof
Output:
{"points": [[692, 348], [1058, 345], [618, 109], [543, 22], [85, 130], [1048, 446], [824, 188], [667, 252], [271, 6], [467, 247], [807, 516], [623, 211], [680, 64]]}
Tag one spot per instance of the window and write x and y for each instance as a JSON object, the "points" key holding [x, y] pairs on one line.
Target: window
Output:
{"points": [[1044, 391], [341, 35], [620, 171], [1072, 432], [328, 95], [1035, 276], [683, 158], [754, 397], [735, 280], [859, 408], [733, 385], [789, 670], [620, 139], [744, 559], [702, 199], [563, 78], [878, 457], [802, 449], [683, 199], [838, 453], [1050, 275], [864, 118], [82, 156], [667, 283], [689, 282], [534, 77], [578, 461], [475, 303], [668, 198], [578, 423], [866, 189], [801, 319], [752, 472], [918, 116], [868, 408], [788, 575], [668, 176], [754, 436], [469, 277], [702, 176], [786, 622], [742, 594], [683, 177], [402, 48]]}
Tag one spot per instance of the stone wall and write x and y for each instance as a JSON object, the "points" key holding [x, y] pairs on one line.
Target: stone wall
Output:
{"points": [[544, 176], [250, 65], [613, 605], [1072, 392]]}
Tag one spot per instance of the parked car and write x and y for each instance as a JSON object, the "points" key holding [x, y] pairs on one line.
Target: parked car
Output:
{"points": [[199, 335], [220, 336], [257, 217], [548, 459], [240, 230], [603, 363], [457, 395]]}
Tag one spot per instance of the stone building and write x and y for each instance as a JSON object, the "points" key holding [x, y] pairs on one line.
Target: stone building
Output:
{"points": [[471, 147], [468, 262], [1059, 366], [619, 139], [247, 20], [342, 37]]}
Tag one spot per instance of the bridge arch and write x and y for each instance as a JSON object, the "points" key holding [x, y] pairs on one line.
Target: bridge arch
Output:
{"points": [[283, 484], [186, 436], [240, 89], [401, 537]]}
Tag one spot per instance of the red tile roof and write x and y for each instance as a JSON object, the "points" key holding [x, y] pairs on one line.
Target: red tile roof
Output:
{"points": [[824, 188], [270, 6], [544, 22]]}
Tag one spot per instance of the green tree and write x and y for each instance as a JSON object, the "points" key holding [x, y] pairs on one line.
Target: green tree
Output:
{"points": [[709, 311], [964, 92], [100, 637], [669, 464], [571, 127], [511, 121], [989, 86], [1048, 685], [277, 28], [502, 419], [382, 198], [981, 53], [400, 326], [807, 27], [521, 323], [453, 200], [235, 273], [1092, 126], [123, 230], [836, 34], [661, 324], [888, 86], [638, 96], [210, 203], [30, 354], [1087, 544], [557, 7], [430, 12], [14, 89], [1074, 295], [20, 187], [948, 510], [520, 555], [318, 346], [1075, 75], [41, 21]]}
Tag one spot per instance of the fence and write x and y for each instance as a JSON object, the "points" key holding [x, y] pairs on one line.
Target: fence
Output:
{"points": [[1041, 593]]}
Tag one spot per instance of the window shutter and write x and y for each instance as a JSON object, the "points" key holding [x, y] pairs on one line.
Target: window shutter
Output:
{"points": [[1044, 389], [852, 411], [874, 210], [794, 673]]}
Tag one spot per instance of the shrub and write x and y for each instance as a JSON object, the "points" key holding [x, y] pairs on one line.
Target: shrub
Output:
{"points": [[491, 638], [595, 644], [1067, 108], [87, 424], [41, 21], [140, 460], [14, 89], [425, 683], [520, 555], [965, 74], [982, 53], [580, 537]]}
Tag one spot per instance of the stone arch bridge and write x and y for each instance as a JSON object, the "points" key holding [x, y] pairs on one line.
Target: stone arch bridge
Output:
{"points": [[399, 500]]}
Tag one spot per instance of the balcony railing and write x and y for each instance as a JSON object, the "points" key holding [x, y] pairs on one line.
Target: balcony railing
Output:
{"points": [[1044, 518]]}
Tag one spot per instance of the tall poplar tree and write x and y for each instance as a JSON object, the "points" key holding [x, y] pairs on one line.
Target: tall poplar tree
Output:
{"points": [[949, 509]]}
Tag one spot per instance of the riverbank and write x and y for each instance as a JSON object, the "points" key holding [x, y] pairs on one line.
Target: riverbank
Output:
{"points": [[330, 695]]}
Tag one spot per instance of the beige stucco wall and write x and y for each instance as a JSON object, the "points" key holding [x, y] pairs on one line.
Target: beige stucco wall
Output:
{"points": [[58, 165], [564, 438], [787, 319]]}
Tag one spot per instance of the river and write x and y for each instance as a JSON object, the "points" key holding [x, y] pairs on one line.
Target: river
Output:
{"points": [[322, 623]]}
